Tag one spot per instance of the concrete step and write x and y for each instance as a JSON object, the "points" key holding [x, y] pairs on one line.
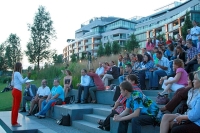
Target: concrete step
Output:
{"points": [[102, 111], [87, 126], [93, 118], [151, 92]]}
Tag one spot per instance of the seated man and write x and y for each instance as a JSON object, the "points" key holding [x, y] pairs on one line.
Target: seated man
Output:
{"points": [[8, 88], [144, 110], [42, 93], [86, 83], [191, 56], [29, 94], [100, 69], [161, 69], [112, 73], [128, 70], [57, 94]]}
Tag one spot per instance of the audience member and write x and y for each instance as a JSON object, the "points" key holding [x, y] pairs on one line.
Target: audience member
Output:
{"points": [[180, 54], [67, 82], [100, 69], [8, 88], [120, 104], [144, 110], [120, 63], [106, 67], [169, 41], [99, 85], [198, 44], [180, 95], [112, 73], [190, 121], [169, 52], [155, 41], [149, 45], [29, 94], [128, 70], [195, 32], [161, 69], [189, 36], [191, 56], [144, 73], [86, 83], [138, 63], [179, 81], [57, 94], [42, 93]]}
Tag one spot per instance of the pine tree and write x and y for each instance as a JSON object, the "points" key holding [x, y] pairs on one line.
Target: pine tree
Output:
{"points": [[108, 49], [116, 48], [100, 51], [187, 25], [132, 43]]}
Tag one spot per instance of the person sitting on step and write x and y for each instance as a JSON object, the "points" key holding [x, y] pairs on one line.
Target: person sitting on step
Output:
{"points": [[120, 104], [190, 121], [112, 73], [67, 81], [57, 94], [29, 94], [42, 93], [86, 83], [144, 110], [179, 81]]}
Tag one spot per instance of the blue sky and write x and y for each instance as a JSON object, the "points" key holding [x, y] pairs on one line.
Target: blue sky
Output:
{"points": [[67, 15]]}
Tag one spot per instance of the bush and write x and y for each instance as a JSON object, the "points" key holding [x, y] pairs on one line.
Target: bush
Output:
{"points": [[5, 79]]}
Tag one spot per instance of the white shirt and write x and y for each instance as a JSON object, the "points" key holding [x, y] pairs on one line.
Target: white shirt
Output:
{"points": [[164, 62], [195, 30], [18, 81], [43, 91]]}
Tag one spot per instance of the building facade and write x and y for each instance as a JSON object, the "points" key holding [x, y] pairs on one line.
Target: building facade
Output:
{"points": [[168, 20], [98, 31]]}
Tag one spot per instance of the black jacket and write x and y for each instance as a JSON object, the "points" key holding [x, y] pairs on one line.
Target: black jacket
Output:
{"points": [[114, 71]]}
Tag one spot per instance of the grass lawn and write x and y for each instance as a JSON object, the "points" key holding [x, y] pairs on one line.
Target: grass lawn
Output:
{"points": [[6, 97]]}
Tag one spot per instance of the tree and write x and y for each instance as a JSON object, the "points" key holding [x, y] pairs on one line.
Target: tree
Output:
{"points": [[13, 50], [42, 32], [107, 50], [132, 43], [73, 57], [116, 48], [58, 59], [100, 51], [3, 65], [187, 25]]}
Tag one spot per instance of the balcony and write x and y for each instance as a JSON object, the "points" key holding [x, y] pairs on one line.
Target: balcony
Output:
{"points": [[176, 27], [96, 48], [97, 41], [89, 42], [119, 37]]}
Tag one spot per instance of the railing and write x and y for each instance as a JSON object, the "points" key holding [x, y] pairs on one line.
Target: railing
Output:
{"points": [[97, 41]]}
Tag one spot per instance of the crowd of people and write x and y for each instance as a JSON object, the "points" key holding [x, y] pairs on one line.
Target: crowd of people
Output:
{"points": [[166, 63]]}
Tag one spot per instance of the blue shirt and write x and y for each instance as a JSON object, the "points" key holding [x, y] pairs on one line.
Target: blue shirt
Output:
{"points": [[164, 62], [139, 100], [193, 103], [100, 71], [85, 80], [58, 90], [149, 65]]}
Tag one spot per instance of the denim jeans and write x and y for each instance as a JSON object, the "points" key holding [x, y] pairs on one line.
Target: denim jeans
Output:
{"points": [[194, 43], [86, 91], [142, 77], [121, 79], [92, 90], [136, 123], [154, 77], [46, 106]]}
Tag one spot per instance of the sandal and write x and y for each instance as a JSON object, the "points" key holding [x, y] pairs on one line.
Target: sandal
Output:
{"points": [[16, 125], [100, 122]]}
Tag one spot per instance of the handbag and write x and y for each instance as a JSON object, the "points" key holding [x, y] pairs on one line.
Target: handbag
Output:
{"points": [[162, 99], [69, 99]]}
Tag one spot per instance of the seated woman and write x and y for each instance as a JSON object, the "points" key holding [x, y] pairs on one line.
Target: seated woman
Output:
{"points": [[179, 81], [67, 82], [190, 121], [144, 73], [106, 67], [120, 104], [179, 96], [138, 63], [181, 53]]}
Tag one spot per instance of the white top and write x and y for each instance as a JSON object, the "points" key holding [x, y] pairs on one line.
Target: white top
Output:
{"points": [[195, 30], [43, 91], [18, 81]]}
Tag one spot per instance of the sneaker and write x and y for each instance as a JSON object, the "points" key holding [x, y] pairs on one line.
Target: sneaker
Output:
{"points": [[41, 116], [36, 115]]}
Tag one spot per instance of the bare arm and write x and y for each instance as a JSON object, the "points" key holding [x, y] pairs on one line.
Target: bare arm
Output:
{"points": [[176, 78]]}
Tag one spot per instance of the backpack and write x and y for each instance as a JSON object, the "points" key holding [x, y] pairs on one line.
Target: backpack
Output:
{"points": [[65, 120], [69, 99]]}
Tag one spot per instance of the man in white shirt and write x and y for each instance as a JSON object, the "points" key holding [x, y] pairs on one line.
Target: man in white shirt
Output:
{"points": [[162, 68], [29, 94], [86, 83], [155, 41], [42, 93], [100, 69], [195, 32]]}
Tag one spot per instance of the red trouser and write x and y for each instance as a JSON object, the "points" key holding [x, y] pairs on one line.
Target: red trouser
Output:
{"points": [[17, 96]]}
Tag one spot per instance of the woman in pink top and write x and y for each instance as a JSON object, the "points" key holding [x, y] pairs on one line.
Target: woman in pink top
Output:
{"points": [[99, 85], [179, 81], [149, 45]]}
